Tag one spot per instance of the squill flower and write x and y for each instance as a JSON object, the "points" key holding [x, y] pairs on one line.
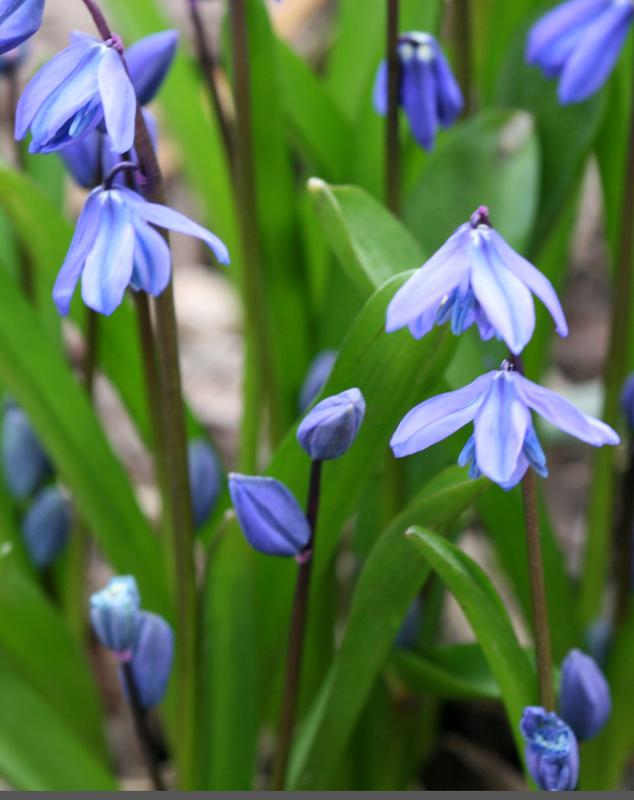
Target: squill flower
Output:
{"points": [[24, 462], [329, 429], [318, 373], [205, 478], [46, 526], [578, 42], [429, 93], [504, 443], [115, 246], [19, 20], [151, 659], [584, 695], [115, 615], [476, 278], [73, 93], [552, 753]]}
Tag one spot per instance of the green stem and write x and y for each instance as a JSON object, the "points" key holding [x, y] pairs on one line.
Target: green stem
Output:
{"points": [[392, 145], [624, 542], [142, 728], [464, 55]]}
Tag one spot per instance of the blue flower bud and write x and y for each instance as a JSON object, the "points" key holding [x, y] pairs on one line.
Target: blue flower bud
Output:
{"points": [[584, 696], [205, 478], [149, 61], [24, 461], [269, 515], [318, 373], [407, 636], [152, 658], [627, 401], [115, 616], [552, 754], [46, 526], [329, 430]]}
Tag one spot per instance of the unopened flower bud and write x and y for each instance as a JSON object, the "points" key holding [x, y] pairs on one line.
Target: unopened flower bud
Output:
{"points": [[318, 373], [24, 461], [205, 479], [269, 515], [329, 430], [46, 526], [552, 754], [115, 616], [152, 657], [584, 697]]}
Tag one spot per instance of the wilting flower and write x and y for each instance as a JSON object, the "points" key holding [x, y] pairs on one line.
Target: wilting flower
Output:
{"points": [[205, 478], [579, 43], [627, 401], [152, 657], [475, 278], [429, 93], [504, 443], [584, 695], [115, 246], [19, 20], [318, 373], [115, 615], [73, 93], [329, 430], [24, 462], [552, 753], [46, 526], [269, 515]]}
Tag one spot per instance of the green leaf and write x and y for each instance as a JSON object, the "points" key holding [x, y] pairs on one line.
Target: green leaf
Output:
{"points": [[38, 750], [449, 672], [371, 244], [489, 620], [390, 580]]}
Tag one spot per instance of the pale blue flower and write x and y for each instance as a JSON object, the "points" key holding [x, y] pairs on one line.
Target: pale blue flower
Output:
{"points": [[114, 614], [19, 20], [552, 753]]}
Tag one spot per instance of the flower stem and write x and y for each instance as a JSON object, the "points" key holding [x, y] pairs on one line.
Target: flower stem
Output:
{"points": [[463, 38], [392, 149], [208, 68], [624, 542], [144, 734], [297, 636]]}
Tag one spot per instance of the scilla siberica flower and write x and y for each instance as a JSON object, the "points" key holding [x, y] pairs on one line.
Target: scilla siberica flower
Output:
{"points": [[115, 615], [584, 695], [329, 429], [19, 20], [429, 93], [504, 443], [269, 515], [476, 278], [73, 93], [578, 42], [552, 753], [24, 462], [151, 659], [46, 526], [205, 478], [115, 246]]}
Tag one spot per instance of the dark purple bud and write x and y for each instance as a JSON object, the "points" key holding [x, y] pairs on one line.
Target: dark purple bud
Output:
{"points": [[330, 429], [19, 20], [149, 61], [115, 615], [584, 696], [318, 373], [269, 515], [24, 461], [152, 658], [205, 477], [46, 526], [552, 754], [627, 401]]}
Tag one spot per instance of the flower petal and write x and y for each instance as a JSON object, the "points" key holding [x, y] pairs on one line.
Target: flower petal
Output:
{"points": [[564, 415], [449, 97], [419, 100], [19, 22], [118, 100], [379, 93], [439, 417], [149, 61], [152, 259]]}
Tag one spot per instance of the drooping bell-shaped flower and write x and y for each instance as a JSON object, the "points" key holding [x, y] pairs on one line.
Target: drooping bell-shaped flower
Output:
{"points": [[73, 93], [504, 443], [24, 462], [552, 753], [19, 20], [115, 246], [329, 429], [578, 42], [152, 657], [318, 373], [584, 695], [205, 478], [46, 526], [429, 93], [476, 278], [269, 515], [115, 615]]}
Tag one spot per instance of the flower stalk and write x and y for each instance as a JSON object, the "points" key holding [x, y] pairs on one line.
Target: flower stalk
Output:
{"points": [[463, 38], [392, 149], [143, 731]]}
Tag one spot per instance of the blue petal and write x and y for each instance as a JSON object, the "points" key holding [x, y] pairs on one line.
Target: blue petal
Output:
{"points": [[46, 526], [152, 658], [594, 57], [420, 100], [448, 94], [149, 61], [18, 22], [421, 326], [534, 453], [379, 94], [439, 417], [118, 100], [152, 259], [205, 479], [83, 159]]}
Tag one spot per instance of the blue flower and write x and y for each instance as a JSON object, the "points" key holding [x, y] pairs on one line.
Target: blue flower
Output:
{"points": [[578, 42], [115, 246], [152, 657], [73, 93], [318, 373], [24, 462], [269, 515], [584, 695], [46, 526], [429, 93], [205, 478], [504, 443], [627, 401], [19, 20], [329, 430], [552, 753], [475, 278], [149, 61], [115, 616]]}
